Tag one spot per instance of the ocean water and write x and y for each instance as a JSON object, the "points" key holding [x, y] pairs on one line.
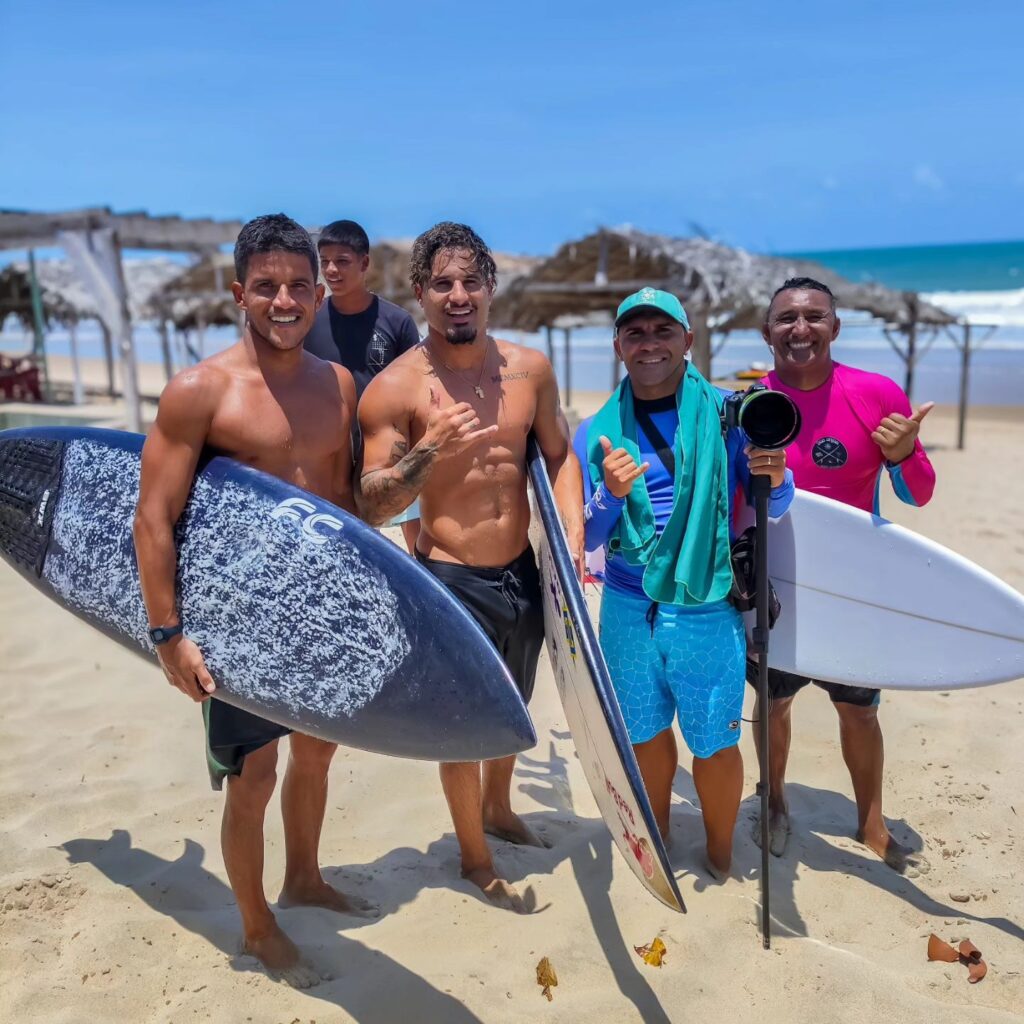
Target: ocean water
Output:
{"points": [[981, 282], [970, 267]]}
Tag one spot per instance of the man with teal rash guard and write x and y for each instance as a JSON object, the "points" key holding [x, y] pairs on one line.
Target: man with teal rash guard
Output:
{"points": [[659, 485]]}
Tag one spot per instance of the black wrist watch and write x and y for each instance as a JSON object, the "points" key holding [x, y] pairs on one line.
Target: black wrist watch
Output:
{"points": [[162, 634]]}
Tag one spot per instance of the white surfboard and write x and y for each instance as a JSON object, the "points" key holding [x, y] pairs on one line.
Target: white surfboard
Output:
{"points": [[591, 709], [869, 603]]}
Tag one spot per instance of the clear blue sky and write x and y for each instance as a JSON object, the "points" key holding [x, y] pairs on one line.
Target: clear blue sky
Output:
{"points": [[775, 126]]}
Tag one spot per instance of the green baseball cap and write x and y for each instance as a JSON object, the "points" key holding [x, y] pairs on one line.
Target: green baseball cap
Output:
{"points": [[655, 300]]}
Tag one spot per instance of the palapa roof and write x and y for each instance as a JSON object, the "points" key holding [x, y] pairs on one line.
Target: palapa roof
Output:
{"points": [[136, 229], [389, 272], [203, 290], [200, 293], [729, 286], [66, 299]]}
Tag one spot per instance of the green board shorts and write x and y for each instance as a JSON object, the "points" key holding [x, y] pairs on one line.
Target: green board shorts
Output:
{"points": [[231, 734]]}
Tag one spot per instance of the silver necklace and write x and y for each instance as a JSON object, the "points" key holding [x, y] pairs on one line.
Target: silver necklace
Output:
{"points": [[477, 386]]}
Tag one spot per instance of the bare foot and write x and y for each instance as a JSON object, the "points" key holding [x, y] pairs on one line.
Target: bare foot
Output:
{"points": [[717, 873], [282, 960], [778, 832], [901, 859], [496, 889], [319, 894], [510, 827]]}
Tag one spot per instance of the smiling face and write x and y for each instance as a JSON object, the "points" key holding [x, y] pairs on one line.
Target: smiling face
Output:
{"points": [[800, 329], [343, 268], [653, 348], [456, 300], [280, 297]]}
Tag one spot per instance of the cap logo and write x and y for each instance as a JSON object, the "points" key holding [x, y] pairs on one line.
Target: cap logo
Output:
{"points": [[647, 294]]}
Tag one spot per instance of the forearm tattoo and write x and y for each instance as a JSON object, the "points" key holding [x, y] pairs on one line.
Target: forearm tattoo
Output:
{"points": [[386, 492]]}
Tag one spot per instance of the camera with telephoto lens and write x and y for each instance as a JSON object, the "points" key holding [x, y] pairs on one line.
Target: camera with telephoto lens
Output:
{"points": [[769, 418]]}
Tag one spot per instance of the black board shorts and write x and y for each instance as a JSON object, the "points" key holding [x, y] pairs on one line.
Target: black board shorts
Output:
{"points": [[787, 684], [231, 734], [508, 604]]}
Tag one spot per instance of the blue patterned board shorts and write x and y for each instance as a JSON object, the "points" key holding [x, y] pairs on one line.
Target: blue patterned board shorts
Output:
{"points": [[691, 662]]}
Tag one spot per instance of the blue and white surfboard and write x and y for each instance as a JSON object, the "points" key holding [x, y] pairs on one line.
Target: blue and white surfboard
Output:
{"points": [[305, 615]]}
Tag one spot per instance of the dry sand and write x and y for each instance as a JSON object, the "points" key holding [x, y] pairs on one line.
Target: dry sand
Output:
{"points": [[115, 904]]}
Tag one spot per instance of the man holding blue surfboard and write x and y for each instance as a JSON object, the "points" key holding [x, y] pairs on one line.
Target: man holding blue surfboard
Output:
{"points": [[856, 426], [660, 475], [448, 422], [269, 404]]}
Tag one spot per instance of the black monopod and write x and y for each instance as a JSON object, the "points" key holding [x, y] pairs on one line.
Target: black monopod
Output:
{"points": [[771, 421]]}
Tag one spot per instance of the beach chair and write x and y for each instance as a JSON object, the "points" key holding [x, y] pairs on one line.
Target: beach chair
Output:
{"points": [[19, 379]]}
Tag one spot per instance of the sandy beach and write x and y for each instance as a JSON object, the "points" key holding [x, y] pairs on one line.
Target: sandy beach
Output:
{"points": [[114, 904]]}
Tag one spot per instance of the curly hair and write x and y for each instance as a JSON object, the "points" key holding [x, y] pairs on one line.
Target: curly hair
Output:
{"points": [[273, 232], [449, 235]]}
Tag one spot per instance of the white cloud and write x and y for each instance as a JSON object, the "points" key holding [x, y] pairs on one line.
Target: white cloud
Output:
{"points": [[927, 177]]}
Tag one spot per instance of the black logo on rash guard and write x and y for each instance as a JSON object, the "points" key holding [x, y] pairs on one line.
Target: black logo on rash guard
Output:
{"points": [[829, 453]]}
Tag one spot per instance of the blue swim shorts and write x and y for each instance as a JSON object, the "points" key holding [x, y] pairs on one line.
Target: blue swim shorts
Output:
{"points": [[411, 513], [687, 660]]}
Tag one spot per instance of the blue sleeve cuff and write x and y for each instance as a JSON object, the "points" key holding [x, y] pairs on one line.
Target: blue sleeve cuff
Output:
{"points": [[899, 485], [781, 497]]}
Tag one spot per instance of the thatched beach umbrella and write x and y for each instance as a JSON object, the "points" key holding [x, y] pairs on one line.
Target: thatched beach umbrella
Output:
{"points": [[723, 288], [67, 301]]}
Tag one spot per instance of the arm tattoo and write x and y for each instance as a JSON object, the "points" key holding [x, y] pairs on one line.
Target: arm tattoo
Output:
{"points": [[386, 492]]}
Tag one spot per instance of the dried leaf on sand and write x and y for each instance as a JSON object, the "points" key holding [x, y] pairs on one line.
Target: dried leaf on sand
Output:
{"points": [[654, 954], [546, 977]]}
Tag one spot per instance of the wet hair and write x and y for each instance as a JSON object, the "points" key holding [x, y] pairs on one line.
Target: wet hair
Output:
{"points": [[273, 232], [801, 284], [448, 235], [345, 232]]}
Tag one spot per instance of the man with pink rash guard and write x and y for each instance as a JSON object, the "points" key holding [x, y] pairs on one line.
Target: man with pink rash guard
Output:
{"points": [[856, 427]]}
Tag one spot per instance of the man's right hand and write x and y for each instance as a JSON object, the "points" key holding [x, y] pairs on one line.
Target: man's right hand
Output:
{"points": [[620, 469], [183, 664], [452, 430]]}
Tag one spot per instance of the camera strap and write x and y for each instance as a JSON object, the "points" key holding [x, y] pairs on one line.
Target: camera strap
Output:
{"points": [[655, 436]]}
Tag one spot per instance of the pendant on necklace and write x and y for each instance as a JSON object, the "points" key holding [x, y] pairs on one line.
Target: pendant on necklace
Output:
{"points": [[479, 391]]}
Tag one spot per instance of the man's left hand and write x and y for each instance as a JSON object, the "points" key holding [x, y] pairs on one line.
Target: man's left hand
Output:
{"points": [[896, 434], [575, 541], [769, 464]]}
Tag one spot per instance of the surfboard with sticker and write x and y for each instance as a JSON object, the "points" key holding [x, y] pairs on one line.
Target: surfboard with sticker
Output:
{"points": [[869, 603], [591, 708], [305, 616]]}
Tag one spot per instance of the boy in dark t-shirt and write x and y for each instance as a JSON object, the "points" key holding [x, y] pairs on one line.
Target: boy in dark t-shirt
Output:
{"points": [[356, 328]]}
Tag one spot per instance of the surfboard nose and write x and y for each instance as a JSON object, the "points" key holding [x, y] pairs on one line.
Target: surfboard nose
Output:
{"points": [[29, 474]]}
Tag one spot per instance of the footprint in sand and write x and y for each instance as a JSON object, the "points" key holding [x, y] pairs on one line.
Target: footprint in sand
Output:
{"points": [[51, 893]]}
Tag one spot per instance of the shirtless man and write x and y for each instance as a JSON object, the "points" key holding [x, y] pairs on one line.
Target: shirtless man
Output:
{"points": [[268, 404], [448, 422]]}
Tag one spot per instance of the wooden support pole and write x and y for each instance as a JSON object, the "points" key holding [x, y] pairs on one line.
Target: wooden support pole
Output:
{"points": [[108, 355], [77, 390], [165, 347], [549, 337], [567, 363], [912, 310], [701, 351], [965, 377], [38, 327]]}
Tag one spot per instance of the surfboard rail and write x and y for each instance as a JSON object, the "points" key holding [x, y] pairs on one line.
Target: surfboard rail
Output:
{"points": [[591, 708]]}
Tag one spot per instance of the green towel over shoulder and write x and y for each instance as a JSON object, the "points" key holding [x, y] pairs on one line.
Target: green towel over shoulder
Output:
{"points": [[689, 564]]}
